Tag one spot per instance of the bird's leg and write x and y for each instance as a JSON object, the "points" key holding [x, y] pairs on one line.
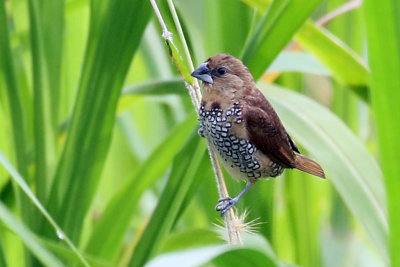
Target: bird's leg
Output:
{"points": [[227, 202]]}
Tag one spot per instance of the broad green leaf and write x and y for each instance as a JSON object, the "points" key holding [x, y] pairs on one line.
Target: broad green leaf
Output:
{"points": [[344, 63], [29, 239], [281, 21], [108, 55], [349, 166], [243, 257], [219, 255], [125, 201], [180, 180], [383, 28]]}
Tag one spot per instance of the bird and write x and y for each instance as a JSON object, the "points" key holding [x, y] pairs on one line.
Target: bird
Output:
{"points": [[243, 128]]}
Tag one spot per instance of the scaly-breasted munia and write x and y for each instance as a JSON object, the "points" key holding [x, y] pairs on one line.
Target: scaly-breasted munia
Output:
{"points": [[240, 123]]}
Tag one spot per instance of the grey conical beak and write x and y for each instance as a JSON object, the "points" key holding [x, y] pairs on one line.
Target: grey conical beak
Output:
{"points": [[203, 73]]}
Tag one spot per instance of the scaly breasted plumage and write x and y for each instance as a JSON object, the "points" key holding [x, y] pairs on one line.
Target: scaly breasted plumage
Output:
{"points": [[241, 125]]}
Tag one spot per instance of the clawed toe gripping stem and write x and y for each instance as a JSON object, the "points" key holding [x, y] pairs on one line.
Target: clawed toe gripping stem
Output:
{"points": [[225, 203]]}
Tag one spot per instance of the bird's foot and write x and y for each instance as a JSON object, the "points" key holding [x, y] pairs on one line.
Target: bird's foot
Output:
{"points": [[225, 204]]}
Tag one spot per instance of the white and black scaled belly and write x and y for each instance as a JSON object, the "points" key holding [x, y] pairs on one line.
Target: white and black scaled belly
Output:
{"points": [[237, 154]]}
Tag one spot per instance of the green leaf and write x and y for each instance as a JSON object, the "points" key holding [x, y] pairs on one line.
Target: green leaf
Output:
{"points": [[43, 130], [349, 166], [220, 255], [7, 67], [67, 254], [56, 230], [383, 28], [125, 201], [179, 183], [191, 238], [281, 21], [108, 55], [226, 29], [29, 239], [2, 255], [344, 63]]}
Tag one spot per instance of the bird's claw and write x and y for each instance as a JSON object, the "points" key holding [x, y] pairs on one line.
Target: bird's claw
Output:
{"points": [[223, 199], [225, 204]]}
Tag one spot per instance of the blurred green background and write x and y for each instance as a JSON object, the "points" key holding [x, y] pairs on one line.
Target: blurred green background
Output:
{"points": [[98, 132]]}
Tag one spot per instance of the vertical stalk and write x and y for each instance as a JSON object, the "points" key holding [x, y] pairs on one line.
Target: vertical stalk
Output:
{"points": [[17, 117], [38, 100], [231, 220]]}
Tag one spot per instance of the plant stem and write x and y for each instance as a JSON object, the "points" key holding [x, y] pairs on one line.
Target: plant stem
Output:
{"points": [[231, 219]]}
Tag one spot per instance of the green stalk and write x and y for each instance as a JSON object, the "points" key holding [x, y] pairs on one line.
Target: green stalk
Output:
{"points": [[383, 28], [14, 98], [195, 94], [38, 100], [17, 115]]}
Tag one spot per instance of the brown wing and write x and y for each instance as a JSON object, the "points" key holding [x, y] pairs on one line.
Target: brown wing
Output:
{"points": [[267, 133]]}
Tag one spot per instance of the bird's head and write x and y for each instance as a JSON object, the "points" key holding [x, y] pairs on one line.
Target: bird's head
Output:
{"points": [[223, 71]]}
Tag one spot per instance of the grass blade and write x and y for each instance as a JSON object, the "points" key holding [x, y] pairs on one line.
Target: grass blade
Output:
{"points": [[227, 28], [279, 24], [42, 132], [29, 239], [108, 56], [383, 28], [8, 69], [179, 182], [24, 186], [125, 201]]}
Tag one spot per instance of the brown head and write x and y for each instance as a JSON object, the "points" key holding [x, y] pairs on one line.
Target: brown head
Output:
{"points": [[223, 72]]}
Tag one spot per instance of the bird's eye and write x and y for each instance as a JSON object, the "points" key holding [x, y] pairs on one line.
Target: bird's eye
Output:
{"points": [[221, 71]]}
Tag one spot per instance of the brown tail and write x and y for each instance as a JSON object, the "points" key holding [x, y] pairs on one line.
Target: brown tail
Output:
{"points": [[308, 165]]}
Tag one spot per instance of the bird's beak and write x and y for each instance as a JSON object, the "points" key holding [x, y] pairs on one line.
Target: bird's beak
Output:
{"points": [[203, 73]]}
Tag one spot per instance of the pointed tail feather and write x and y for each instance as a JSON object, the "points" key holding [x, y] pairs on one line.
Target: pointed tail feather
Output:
{"points": [[308, 165]]}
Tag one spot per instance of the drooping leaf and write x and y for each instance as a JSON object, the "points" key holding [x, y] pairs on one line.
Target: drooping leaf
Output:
{"points": [[350, 167]]}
